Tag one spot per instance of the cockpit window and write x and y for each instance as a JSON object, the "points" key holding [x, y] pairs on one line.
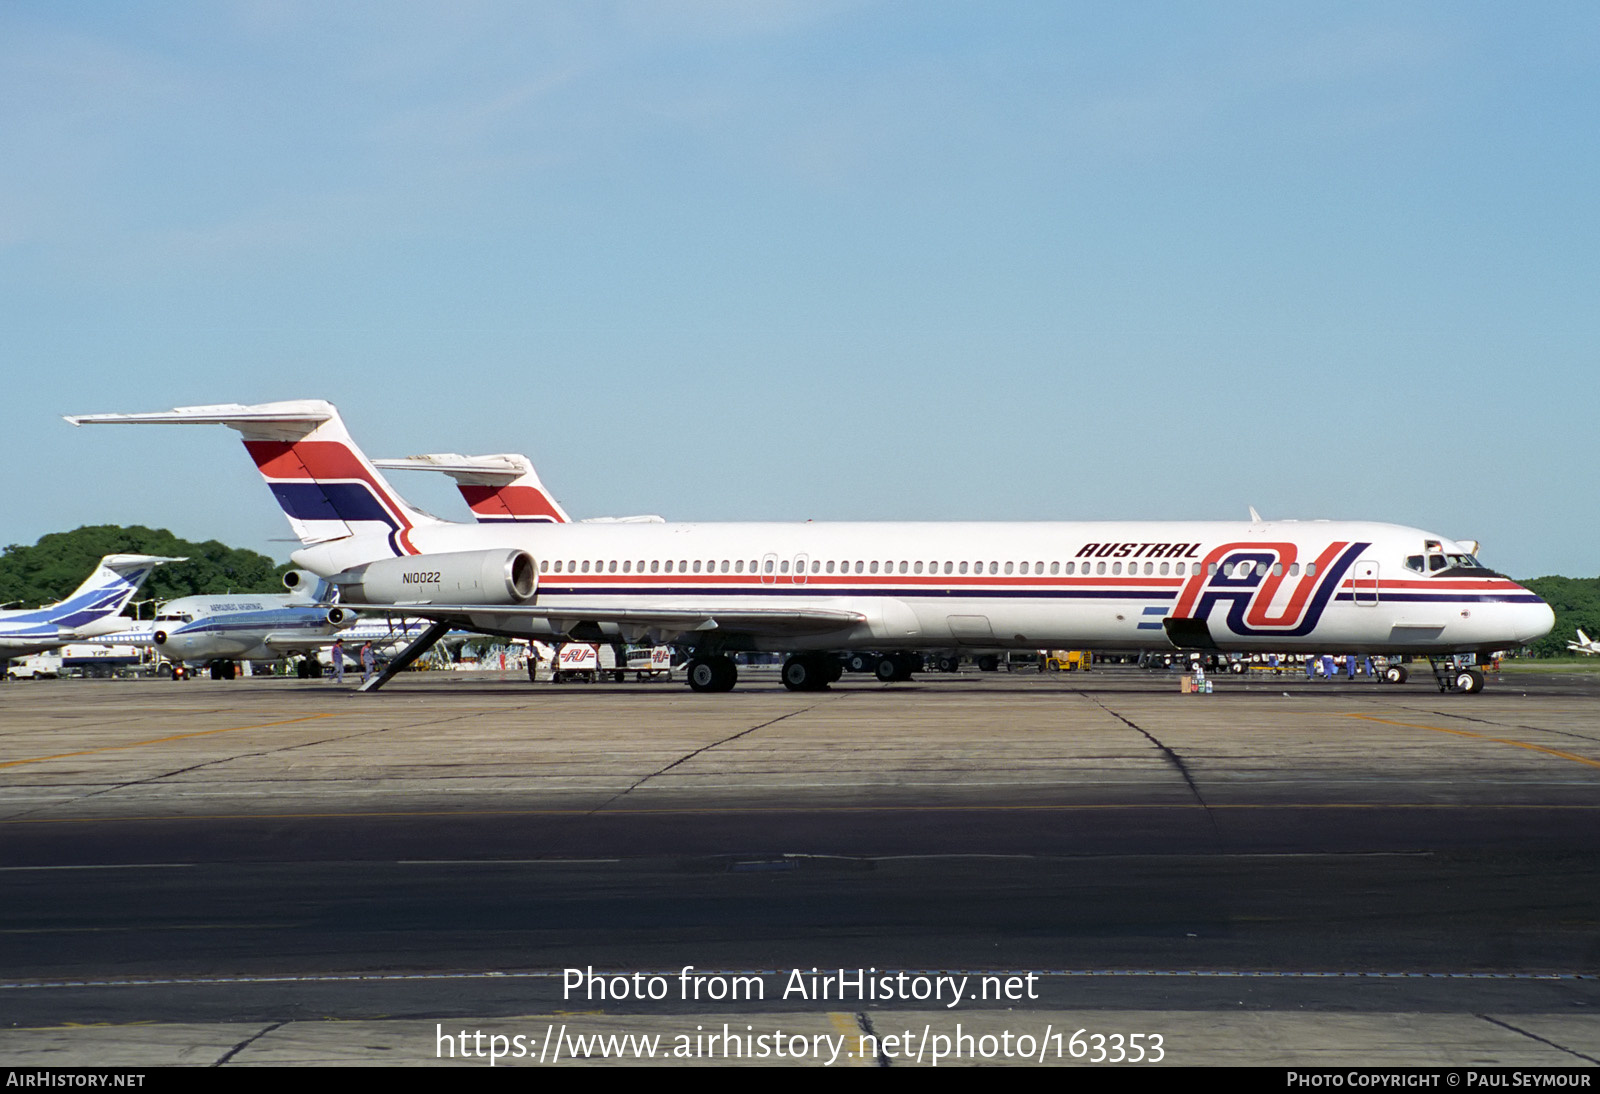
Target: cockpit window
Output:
{"points": [[1414, 562], [1464, 561], [1436, 562]]}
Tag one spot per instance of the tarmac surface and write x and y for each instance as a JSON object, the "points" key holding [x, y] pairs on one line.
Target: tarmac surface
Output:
{"points": [[270, 871]]}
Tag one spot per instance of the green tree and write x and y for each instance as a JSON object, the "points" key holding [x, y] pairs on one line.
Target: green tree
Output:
{"points": [[1576, 602], [58, 563]]}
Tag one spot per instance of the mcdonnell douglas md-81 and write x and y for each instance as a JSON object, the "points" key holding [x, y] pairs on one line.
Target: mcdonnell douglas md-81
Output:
{"points": [[815, 590]]}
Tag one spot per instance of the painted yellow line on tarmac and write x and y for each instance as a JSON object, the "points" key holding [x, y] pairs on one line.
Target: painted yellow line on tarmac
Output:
{"points": [[160, 740], [1482, 737], [737, 811], [845, 1026]]}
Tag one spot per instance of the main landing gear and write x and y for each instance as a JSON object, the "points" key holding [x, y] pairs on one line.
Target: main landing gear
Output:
{"points": [[716, 672], [811, 671], [889, 668]]}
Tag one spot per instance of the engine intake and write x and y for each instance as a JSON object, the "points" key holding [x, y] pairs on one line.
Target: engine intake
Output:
{"points": [[459, 577]]}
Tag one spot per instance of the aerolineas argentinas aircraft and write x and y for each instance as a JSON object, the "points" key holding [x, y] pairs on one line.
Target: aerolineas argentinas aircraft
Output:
{"points": [[92, 611], [217, 631], [815, 589]]}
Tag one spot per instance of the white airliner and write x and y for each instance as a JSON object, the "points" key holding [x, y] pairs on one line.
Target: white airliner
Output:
{"points": [[814, 590], [1584, 644], [95, 609], [217, 631]]}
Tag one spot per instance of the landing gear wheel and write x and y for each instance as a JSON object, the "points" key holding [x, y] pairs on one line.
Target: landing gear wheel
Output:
{"points": [[303, 669], [1237, 667], [949, 664], [805, 673], [1395, 674], [988, 663], [862, 662], [895, 668], [1469, 681], [717, 673]]}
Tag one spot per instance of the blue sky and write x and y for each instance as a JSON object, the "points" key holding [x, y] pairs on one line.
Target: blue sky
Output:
{"points": [[729, 261]]}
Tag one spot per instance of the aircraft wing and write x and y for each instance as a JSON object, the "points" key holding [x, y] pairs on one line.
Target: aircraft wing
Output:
{"points": [[289, 641], [753, 621]]}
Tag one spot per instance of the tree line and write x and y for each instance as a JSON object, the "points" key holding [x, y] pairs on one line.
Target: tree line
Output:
{"points": [[50, 569]]}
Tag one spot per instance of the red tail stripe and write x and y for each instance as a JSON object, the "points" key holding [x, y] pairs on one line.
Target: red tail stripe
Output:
{"points": [[511, 501], [306, 460]]}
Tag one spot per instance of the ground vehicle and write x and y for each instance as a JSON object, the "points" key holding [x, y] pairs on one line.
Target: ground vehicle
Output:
{"points": [[592, 661], [40, 666]]}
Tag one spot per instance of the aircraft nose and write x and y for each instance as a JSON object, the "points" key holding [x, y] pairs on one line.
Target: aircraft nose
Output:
{"points": [[1532, 620]]}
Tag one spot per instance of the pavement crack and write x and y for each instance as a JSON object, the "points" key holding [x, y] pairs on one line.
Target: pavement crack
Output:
{"points": [[247, 1042], [691, 755], [1172, 757], [1536, 1037], [256, 754], [864, 1023]]}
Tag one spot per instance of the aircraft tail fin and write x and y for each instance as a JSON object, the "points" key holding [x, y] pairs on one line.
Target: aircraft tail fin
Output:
{"points": [[499, 489], [105, 592], [324, 483], [1583, 638]]}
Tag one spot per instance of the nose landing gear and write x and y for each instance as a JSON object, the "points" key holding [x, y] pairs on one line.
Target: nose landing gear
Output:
{"points": [[1453, 677]]}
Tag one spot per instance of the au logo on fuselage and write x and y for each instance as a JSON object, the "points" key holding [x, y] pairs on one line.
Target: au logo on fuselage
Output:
{"points": [[1251, 577]]}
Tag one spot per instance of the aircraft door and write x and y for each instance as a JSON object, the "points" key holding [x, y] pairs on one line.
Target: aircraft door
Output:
{"points": [[1365, 583], [769, 568], [801, 562]]}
